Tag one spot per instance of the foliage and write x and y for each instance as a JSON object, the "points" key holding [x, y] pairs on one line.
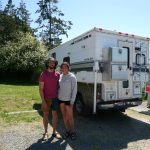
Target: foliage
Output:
{"points": [[23, 17], [12, 21], [23, 14], [10, 9], [26, 53], [19, 48], [50, 23], [0, 6], [8, 29]]}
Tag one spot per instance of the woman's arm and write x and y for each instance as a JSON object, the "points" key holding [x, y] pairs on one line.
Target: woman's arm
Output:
{"points": [[73, 90]]}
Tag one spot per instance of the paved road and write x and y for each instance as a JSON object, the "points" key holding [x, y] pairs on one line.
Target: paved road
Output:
{"points": [[104, 131]]}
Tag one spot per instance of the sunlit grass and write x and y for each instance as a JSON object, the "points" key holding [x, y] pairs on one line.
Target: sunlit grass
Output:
{"points": [[18, 118], [15, 98]]}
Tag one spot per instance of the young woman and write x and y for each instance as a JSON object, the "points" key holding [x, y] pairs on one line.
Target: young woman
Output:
{"points": [[67, 94]]}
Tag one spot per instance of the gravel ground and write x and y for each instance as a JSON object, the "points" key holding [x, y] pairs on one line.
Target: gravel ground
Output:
{"points": [[19, 137], [105, 131]]}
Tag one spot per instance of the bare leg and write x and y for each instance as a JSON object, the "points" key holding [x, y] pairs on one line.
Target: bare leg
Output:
{"points": [[69, 110], [45, 124], [71, 121], [63, 111], [54, 120]]}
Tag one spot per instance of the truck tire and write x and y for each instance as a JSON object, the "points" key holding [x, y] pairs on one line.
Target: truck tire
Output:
{"points": [[79, 105]]}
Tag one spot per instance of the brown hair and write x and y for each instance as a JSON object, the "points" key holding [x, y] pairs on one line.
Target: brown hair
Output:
{"points": [[51, 59], [65, 63]]}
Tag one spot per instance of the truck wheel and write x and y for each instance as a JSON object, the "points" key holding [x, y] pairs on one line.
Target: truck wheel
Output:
{"points": [[79, 105]]}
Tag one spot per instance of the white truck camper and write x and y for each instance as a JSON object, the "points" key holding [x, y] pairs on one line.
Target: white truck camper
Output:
{"points": [[111, 68]]}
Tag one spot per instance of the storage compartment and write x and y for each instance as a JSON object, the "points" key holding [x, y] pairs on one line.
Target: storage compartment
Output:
{"points": [[110, 95], [119, 72], [136, 88], [115, 64], [109, 91], [115, 55], [115, 72], [118, 55]]}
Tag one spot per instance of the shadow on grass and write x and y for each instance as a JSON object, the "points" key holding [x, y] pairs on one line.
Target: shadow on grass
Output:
{"points": [[37, 106], [18, 81]]}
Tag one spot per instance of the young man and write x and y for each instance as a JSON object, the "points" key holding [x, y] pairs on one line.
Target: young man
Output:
{"points": [[48, 89]]}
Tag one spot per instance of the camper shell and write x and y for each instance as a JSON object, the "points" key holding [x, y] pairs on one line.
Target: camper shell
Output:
{"points": [[111, 68]]}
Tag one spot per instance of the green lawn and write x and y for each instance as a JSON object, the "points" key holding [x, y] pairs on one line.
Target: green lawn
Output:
{"points": [[15, 98]]}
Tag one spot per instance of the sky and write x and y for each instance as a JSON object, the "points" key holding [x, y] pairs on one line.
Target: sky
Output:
{"points": [[127, 16]]}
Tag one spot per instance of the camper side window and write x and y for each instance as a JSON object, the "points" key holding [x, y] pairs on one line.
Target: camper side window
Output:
{"points": [[66, 59], [125, 84], [53, 55], [140, 59]]}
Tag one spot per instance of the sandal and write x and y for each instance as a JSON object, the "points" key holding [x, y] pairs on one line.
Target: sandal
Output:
{"points": [[66, 134], [45, 137], [56, 135], [73, 136]]}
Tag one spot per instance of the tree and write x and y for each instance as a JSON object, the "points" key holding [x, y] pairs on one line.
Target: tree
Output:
{"points": [[8, 28], [50, 23], [0, 6], [12, 21], [20, 51], [10, 9], [23, 13], [23, 17], [1, 27], [26, 54]]}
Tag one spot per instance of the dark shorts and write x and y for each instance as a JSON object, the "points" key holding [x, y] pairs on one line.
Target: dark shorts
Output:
{"points": [[52, 103], [55, 104], [65, 102]]}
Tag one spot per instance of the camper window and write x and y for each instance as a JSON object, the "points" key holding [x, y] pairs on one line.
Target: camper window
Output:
{"points": [[53, 55], [137, 48], [66, 59], [140, 59], [125, 84]]}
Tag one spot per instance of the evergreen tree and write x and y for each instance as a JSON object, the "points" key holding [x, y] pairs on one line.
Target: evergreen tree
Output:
{"points": [[10, 9], [23, 13], [23, 17], [14, 20], [8, 28], [50, 23], [0, 6]]}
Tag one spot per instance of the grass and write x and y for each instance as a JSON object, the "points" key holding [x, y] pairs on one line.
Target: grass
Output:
{"points": [[19, 98]]}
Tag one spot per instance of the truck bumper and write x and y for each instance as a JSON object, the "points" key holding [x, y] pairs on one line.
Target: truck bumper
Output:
{"points": [[119, 104]]}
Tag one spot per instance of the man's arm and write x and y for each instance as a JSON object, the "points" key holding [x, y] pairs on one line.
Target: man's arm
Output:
{"points": [[41, 86]]}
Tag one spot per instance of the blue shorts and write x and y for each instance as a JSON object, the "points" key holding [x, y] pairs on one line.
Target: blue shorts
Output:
{"points": [[55, 104]]}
